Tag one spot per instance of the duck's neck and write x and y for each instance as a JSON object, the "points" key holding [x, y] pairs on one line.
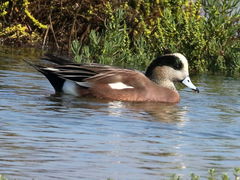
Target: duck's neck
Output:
{"points": [[160, 79], [165, 83]]}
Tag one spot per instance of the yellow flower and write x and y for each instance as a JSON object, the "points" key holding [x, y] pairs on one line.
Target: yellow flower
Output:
{"points": [[147, 31], [198, 17]]}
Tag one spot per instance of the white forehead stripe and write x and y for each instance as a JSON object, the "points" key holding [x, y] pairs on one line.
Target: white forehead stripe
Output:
{"points": [[119, 85], [181, 57]]}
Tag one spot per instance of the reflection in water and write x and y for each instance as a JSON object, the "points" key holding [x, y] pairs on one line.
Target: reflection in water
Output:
{"points": [[50, 136], [161, 112]]}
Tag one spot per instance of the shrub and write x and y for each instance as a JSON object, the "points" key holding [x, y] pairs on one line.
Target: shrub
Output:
{"points": [[12, 31], [113, 45], [206, 31], [137, 31]]}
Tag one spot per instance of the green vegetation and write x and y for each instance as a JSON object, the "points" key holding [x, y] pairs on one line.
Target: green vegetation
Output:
{"points": [[113, 46], [130, 32], [16, 30], [2, 177], [205, 31], [212, 175]]}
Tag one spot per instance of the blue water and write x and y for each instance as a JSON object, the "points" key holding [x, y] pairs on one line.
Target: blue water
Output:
{"points": [[45, 136]]}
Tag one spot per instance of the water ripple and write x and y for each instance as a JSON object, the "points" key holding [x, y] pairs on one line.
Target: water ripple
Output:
{"points": [[48, 136]]}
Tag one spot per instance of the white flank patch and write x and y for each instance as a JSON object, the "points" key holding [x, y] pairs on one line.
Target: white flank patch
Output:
{"points": [[119, 85], [69, 87], [51, 69]]}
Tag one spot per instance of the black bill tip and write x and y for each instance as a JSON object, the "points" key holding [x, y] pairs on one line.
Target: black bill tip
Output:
{"points": [[196, 90]]}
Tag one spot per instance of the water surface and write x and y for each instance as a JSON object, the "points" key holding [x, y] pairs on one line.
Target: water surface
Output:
{"points": [[45, 136]]}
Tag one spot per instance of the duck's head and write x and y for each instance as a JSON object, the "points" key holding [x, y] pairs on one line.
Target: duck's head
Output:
{"points": [[170, 68]]}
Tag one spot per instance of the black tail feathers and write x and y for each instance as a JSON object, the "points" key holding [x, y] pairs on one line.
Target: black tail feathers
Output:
{"points": [[56, 81]]}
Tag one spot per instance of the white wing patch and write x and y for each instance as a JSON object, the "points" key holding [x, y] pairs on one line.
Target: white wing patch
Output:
{"points": [[119, 85]]}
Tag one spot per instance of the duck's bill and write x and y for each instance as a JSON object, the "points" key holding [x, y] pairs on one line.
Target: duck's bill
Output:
{"points": [[187, 82]]}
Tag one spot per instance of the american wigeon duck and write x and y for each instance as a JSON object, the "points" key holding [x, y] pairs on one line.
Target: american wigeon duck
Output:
{"points": [[108, 82]]}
